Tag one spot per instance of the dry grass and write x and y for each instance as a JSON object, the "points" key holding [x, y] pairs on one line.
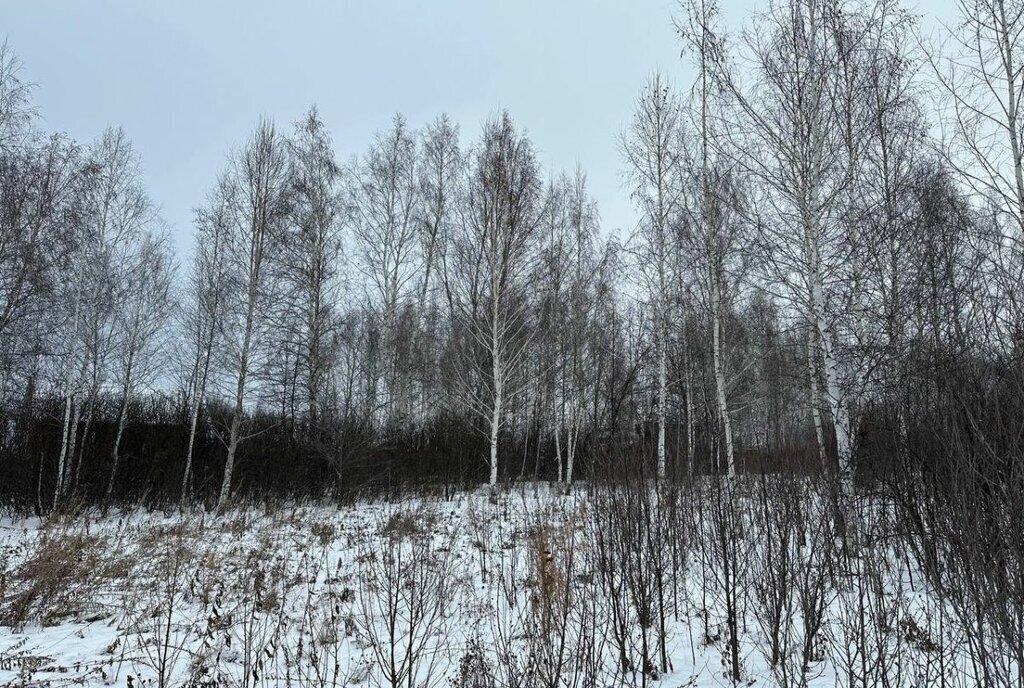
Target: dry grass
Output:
{"points": [[62, 578], [325, 533]]}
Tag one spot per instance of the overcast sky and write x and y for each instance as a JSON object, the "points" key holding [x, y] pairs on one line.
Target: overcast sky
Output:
{"points": [[188, 79]]}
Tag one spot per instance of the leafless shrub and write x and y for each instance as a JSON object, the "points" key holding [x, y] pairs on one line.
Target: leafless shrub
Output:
{"points": [[773, 602], [260, 616], [812, 567], [567, 643], [724, 559], [632, 568], [407, 586], [324, 533], [475, 670], [867, 639], [160, 626]]}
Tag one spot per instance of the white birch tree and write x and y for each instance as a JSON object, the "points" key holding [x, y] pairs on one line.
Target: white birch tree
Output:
{"points": [[142, 316], [311, 255], [494, 255], [654, 169], [204, 319], [799, 149], [383, 196], [114, 210], [712, 234], [578, 335], [260, 174]]}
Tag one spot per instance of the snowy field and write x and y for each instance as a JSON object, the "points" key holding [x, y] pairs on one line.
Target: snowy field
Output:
{"points": [[537, 589]]}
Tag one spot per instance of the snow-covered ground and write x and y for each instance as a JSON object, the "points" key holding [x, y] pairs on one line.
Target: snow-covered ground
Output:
{"points": [[533, 589]]}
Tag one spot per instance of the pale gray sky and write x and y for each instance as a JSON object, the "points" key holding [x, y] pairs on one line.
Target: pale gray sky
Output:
{"points": [[188, 79]]}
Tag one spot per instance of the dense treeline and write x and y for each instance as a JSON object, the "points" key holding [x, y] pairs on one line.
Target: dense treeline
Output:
{"points": [[825, 279]]}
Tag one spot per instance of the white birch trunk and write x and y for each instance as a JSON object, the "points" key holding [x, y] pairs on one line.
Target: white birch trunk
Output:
{"points": [[236, 418], [495, 425], [122, 417], [126, 397], [837, 401], [72, 445], [812, 371], [571, 442], [498, 373], [229, 465], [65, 438], [194, 422], [723, 405], [558, 449], [662, 394], [199, 398], [838, 405]]}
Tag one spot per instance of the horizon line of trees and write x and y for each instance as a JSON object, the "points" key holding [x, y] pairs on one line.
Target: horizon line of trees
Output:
{"points": [[825, 279]]}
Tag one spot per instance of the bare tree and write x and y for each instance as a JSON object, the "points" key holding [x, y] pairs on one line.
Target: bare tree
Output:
{"points": [[440, 176], [25, 185], [39, 184], [312, 252], [800, 152], [260, 173], [383, 197], [205, 318], [651, 150], [115, 210], [438, 208], [712, 235], [577, 374], [983, 80], [144, 313], [493, 259], [16, 113], [546, 380]]}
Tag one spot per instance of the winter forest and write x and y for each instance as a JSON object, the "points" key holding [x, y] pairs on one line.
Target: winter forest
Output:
{"points": [[414, 417]]}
